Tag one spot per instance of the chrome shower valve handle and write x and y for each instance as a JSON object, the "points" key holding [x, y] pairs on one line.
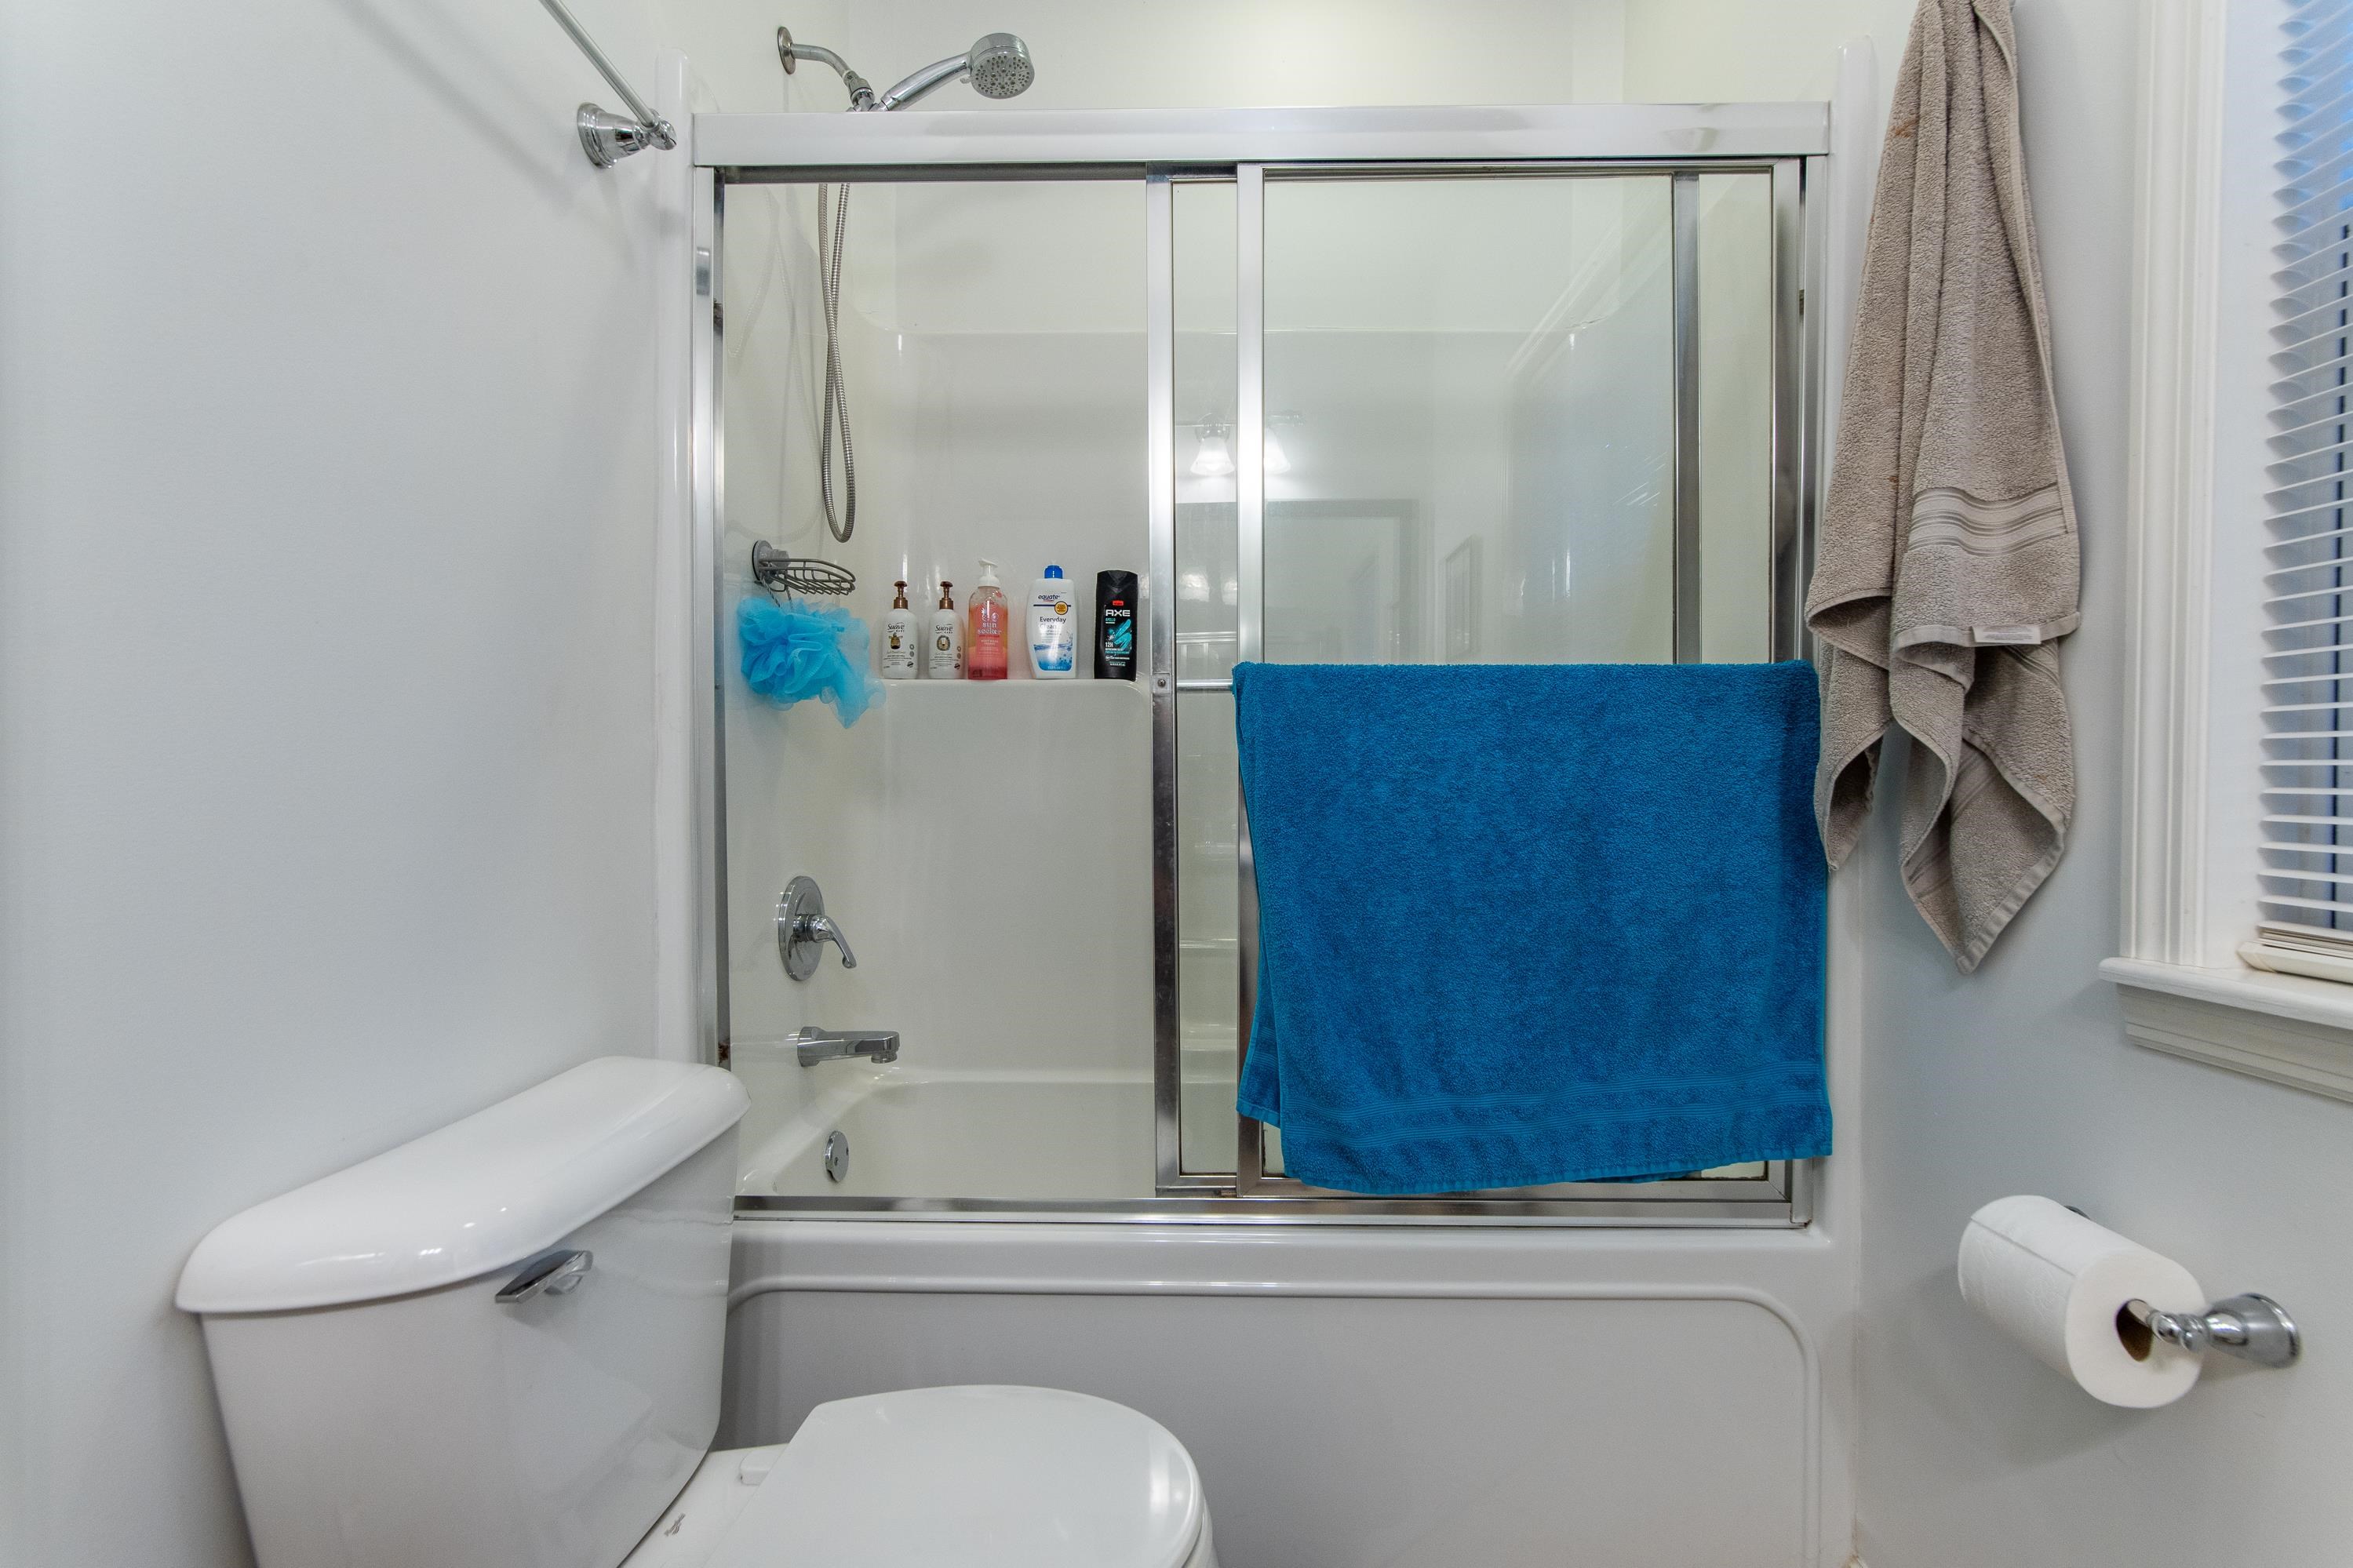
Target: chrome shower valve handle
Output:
{"points": [[803, 928], [818, 929]]}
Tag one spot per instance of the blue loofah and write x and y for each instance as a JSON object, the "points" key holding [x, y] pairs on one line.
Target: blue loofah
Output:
{"points": [[792, 653]]}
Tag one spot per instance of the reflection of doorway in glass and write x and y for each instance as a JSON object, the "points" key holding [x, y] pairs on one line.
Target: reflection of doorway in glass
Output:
{"points": [[1345, 581], [1461, 630]]}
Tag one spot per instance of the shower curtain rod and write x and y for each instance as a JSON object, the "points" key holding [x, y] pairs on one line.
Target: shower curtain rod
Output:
{"points": [[609, 138]]}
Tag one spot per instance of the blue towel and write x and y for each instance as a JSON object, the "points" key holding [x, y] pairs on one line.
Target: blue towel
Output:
{"points": [[1530, 923]]}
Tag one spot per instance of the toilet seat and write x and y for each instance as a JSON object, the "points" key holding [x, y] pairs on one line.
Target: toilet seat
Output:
{"points": [[981, 1476]]}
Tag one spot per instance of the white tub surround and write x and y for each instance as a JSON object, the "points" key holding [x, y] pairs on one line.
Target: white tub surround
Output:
{"points": [[1621, 1397]]}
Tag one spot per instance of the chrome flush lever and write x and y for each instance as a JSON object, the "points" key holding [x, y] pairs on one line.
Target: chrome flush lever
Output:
{"points": [[802, 929], [556, 1273]]}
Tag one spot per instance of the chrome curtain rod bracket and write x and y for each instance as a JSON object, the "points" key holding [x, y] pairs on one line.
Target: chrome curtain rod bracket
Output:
{"points": [[606, 137]]}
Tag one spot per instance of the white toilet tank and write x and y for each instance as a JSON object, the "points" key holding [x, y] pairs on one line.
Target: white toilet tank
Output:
{"points": [[385, 1410]]}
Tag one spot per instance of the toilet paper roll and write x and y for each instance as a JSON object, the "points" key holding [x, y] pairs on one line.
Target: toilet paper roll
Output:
{"points": [[2055, 1282]]}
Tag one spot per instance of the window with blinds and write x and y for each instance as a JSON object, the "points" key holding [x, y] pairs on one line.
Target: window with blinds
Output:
{"points": [[2307, 763]]}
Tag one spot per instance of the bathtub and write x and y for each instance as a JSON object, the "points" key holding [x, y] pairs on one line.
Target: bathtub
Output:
{"points": [[1355, 1392], [1359, 1394], [932, 1133], [913, 1139]]}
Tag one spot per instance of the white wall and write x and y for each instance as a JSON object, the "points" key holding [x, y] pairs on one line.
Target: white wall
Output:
{"points": [[327, 480], [2021, 1079], [1141, 54]]}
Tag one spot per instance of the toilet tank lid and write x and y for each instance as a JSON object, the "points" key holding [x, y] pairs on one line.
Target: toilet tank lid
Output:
{"points": [[477, 1195]]}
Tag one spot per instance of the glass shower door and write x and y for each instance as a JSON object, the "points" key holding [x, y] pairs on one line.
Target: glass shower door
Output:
{"points": [[984, 845], [1523, 417]]}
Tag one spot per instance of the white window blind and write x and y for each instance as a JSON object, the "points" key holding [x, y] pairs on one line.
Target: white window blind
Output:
{"points": [[2307, 765]]}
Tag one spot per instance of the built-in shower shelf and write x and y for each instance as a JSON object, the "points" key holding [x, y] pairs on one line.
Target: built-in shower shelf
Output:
{"points": [[1112, 688]]}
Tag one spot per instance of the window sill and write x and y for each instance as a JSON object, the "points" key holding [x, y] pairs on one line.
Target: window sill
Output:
{"points": [[2282, 1027]]}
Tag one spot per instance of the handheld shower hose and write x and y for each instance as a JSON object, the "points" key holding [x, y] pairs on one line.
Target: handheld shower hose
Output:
{"points": [[843, 524], [997, 65]]}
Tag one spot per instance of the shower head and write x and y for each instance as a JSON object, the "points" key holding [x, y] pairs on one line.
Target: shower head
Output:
{"points": [[998, 66]]}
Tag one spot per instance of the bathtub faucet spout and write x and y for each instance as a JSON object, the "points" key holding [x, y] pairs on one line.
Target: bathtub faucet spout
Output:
{"points": [[832, 1045]]}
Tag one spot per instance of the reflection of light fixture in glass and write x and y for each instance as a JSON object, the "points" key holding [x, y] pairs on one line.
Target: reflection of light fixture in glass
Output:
{"points": [[1277, 460], [1213, 459]]}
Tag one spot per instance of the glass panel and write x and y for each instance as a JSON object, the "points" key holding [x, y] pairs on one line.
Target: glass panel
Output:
{"points": [[1736, 417], [1208, 978], [986, 847], [1472, 423], [1207, 783], [1470, 420]]}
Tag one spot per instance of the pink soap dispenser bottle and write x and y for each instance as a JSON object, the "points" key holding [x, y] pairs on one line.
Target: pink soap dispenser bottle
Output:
{"points": [[984, 659]]}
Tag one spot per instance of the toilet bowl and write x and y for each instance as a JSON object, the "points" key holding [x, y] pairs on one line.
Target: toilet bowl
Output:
{"points": [[500, 1345], [981, 1478]]}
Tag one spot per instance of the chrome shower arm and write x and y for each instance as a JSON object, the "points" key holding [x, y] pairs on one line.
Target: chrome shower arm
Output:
{"points": [[937, 74], [861, 91], [607, 137]]}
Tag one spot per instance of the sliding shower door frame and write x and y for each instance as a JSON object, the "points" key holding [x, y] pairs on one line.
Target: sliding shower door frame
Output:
{"points": [[1248, 149]]}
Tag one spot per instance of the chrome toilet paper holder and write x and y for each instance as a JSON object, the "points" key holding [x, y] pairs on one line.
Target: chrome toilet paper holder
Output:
{"points": [[2253, 1328]]}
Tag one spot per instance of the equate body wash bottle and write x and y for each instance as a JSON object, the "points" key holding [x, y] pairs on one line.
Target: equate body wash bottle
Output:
{"points": [[1053, 631], [983, 660]]}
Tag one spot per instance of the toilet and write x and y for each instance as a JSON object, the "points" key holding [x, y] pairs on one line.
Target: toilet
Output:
{"points": [[500, 1345]]}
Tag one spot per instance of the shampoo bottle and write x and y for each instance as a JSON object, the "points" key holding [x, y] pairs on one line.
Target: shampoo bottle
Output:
{"points": [[899, 639], [985, 657], [945, 648], [1053, 634]]}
